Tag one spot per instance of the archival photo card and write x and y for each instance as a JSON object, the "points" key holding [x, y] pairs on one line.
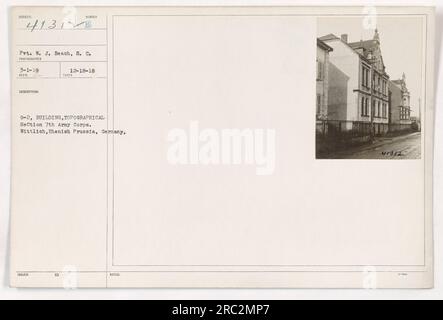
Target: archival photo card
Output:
{"points": [[235, 147]]}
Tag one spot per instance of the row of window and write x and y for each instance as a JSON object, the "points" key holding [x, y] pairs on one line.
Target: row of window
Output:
{"points": [[378, 83], [320, 70], [405, 113], [319, 99], [365, 106], [379, 109], [383, 112], [365, 77]]}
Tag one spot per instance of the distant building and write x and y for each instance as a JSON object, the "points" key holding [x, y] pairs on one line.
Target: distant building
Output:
{"points": [[400, 109], [322, 80], [358, 83]]}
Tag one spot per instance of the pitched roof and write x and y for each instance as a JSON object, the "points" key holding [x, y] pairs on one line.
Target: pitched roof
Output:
{"points": [[395, 83], [400, 83], [366, 45], [323, 45], [365, 49], [329, 37]]}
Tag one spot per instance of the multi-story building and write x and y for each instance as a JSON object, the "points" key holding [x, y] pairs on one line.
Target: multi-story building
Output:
{"points": [[400, 108], [322, 79], [358, 84]]}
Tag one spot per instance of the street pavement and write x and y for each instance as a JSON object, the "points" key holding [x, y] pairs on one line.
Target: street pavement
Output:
{"points": [[400, 147]]}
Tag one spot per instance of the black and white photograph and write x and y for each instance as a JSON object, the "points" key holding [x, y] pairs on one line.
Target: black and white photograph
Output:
{"points": [[369, 83]]}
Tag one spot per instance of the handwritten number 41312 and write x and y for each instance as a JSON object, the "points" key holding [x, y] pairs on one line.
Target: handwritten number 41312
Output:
{"points": [[54, 24]]}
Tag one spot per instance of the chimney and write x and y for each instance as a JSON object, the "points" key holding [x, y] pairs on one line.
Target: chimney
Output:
{"points": [[344, 38]]}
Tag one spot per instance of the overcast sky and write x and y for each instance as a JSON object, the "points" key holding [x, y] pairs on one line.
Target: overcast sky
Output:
{"points": [[401, 43]]}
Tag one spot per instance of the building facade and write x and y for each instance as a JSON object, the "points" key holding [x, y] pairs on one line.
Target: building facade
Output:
{"points": [[358, 84], [322, 79], [400, 108]]}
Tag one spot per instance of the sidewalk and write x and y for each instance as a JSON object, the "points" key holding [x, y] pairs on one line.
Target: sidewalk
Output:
{"points": [[406, 146]]}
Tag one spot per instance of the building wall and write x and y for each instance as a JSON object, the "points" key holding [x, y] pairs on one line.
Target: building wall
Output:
{"points": [[322, 79], [343, 81], [406, 109], [364, 95], [338, 94], [399, 101], [380, 112], [396, 102]]}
